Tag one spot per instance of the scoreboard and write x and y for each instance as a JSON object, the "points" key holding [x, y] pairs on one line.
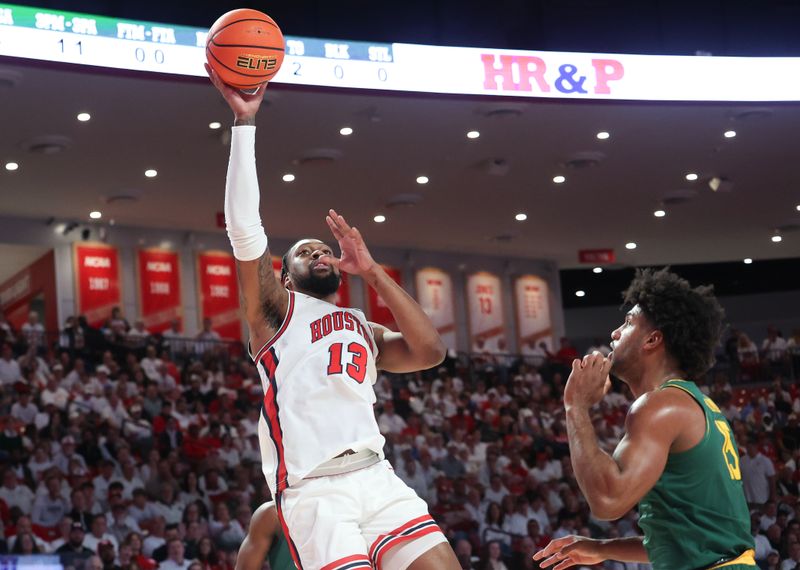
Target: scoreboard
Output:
{"points": [[112, 43]]}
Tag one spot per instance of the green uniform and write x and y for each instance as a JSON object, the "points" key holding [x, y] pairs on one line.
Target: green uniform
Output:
{"points": [[696, 515]]}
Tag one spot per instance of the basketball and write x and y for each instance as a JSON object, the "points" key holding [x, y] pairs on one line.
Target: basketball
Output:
{"points": [[245, 47]]}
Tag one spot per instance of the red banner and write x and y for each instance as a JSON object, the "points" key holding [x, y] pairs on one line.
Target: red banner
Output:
{"points": [[32, 288], [378, 312], [97, 283], [596, 256], [219, 293], [159, 283]]}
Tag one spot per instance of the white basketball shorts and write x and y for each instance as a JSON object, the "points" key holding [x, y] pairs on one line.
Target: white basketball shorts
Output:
{"points": [[363, 519]]}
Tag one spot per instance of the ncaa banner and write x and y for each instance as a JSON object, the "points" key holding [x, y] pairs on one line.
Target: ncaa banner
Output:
{"points": [[435, 296], [532, 299], [378, 312], [485, 309], [159, 284], [97, 283], [342, 295], [219, 293]]}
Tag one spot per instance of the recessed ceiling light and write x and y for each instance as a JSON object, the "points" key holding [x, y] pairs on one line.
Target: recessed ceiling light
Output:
{"points": [[597, 270], [422, 179], [729, 134], [379, 219], [11, 165], [346, 131], [151, 173], [797, 207], [580, 293], [288, 177], [777, 238], [521, 217], [473, 135], [630, 245], [559, 179], [747, 261], [95, 215], [660, 213], [214, 125], [83, 117], [691, 177], [603, 135]]}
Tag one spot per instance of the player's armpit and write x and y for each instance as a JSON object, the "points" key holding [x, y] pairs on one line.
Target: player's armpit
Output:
{"points": [[395, 354], [653, 424], [264, 299]]}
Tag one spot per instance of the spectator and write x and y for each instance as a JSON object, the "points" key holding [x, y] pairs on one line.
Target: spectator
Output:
{"points": [[226, 531], [122, 524], [10, 372], [492, 528], [107, 553], [80, 511], [758, 476], [566, 354], [67, 454], [74, 551], [450, 465], [50, 507], [99, 533], [33, 331], [773, 349], [494, 560], [175, 559], [389, 422], [207, 339], [14, 494]]}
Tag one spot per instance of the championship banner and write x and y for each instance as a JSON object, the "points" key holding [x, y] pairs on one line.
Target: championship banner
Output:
{"points": [[219, 293], [532, 299], [435, 296], [159, 284], [377, 311], [342, 295], [97, 283], [485, 309]]}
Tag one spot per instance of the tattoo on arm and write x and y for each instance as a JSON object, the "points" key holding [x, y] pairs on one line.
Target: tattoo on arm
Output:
{"points": [[271, 312], [244, 122]]}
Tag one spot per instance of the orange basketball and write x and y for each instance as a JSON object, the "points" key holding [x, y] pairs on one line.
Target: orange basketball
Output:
{"points": [[245, 47]]}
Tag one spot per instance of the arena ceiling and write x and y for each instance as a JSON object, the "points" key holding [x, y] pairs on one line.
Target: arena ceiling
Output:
{"points": [[476, 187]]}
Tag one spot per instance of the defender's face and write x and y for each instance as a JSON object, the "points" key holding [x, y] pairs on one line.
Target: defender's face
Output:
{"points": [[626, 342]]}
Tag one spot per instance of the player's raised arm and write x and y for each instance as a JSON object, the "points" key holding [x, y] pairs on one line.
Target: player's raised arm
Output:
{"points": [[417, 346], [613, 485], [264, 299]]}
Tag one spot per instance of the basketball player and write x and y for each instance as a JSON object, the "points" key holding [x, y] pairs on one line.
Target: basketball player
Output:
{"points": [[678, 458], [264, 540], [339, 502]]}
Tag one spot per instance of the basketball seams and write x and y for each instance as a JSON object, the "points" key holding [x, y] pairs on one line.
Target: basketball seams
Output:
{"points": [[208, 51], [246, 46], [229, 24]]}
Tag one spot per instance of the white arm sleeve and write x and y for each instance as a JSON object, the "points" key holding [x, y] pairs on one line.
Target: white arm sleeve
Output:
{"points": [[242, 196]]}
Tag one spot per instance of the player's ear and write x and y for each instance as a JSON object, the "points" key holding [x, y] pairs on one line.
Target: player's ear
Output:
{"points": [[654, 339]]}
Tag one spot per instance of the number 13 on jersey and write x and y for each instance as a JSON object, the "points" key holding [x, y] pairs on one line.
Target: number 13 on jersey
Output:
{"points": [[356, 355]]}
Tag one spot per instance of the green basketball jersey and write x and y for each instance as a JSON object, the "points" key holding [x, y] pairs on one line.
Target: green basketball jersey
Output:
{"points": [[696, 514], [279, 556]]}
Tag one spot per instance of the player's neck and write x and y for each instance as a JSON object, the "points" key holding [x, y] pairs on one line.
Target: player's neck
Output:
{"points": [[653, 377], [327, 298]]}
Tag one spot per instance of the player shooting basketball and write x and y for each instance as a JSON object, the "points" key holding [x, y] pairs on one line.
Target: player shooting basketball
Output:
{"points": [[340, 504]]}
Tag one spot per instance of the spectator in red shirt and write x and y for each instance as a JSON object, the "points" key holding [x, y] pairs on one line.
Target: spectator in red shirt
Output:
{"points": [[566, 354]]}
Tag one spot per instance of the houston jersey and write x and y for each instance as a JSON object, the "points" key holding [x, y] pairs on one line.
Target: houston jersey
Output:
{"points": [[318, 373]]}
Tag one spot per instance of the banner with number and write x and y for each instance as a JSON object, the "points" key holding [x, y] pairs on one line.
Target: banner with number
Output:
{"points": [[342, 295], [532, 298], [485, 308], [97, 283], [219, 293], [435, 296], [159, 284], [377, 311]]}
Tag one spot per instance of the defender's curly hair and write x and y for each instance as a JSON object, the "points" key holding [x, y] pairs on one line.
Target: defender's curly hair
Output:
{"points": [[690, 319]]}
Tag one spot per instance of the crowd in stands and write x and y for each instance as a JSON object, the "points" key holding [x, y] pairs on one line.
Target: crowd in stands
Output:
{"points": [[125, 450]]}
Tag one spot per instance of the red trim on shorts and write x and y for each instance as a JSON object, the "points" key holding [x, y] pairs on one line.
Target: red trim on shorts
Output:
{"points": [[289, 541], [415, 528], [357, 560], [284, 326]]}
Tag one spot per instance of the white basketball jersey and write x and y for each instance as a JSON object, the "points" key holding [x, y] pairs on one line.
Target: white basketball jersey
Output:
{"points": [[318, 373]]}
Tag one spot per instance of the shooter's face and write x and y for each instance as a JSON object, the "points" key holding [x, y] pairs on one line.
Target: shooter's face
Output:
{"points": [[309, 272]]}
